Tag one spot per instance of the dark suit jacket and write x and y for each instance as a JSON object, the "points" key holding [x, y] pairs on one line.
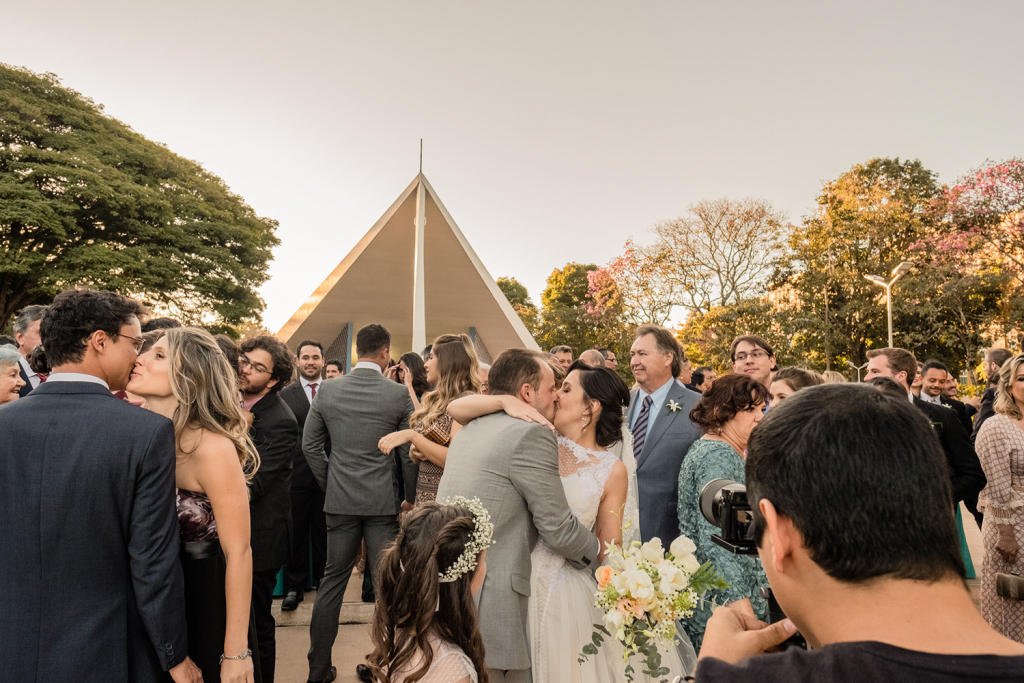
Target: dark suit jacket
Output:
{"points": [[960, 408], [274, 431], [985, 412], [90, 584], [27, 389], [657, 467], [966, 475], [302, 477]]}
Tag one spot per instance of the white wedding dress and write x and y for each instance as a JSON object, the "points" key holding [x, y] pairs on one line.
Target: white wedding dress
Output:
{"points": [[562, 611]]}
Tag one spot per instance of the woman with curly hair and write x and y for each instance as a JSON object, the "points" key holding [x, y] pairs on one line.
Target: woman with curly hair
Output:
{"points": [[425, 626], [727, 413], [185, 377], [454, 371]]}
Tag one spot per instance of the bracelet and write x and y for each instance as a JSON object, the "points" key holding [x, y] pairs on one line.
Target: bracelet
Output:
{"points": [[244, 655]]}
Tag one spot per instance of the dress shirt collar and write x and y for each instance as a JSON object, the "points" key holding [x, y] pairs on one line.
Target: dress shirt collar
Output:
{"points": [[658, 398], [910, 396], [305, 382], [76, 377], [368, 365], [935, 400], [27, 368]]}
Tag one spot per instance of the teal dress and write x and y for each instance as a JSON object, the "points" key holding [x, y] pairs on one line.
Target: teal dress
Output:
{"points": [[707, 460]]}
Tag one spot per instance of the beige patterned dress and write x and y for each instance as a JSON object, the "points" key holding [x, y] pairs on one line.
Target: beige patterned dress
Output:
{"points": [[430, 474], [1001, 450]]}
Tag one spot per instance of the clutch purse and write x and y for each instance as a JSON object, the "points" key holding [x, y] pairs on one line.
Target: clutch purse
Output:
{"points": [[1010, 586]]}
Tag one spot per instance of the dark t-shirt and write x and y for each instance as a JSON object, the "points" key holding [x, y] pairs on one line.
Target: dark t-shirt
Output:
{"points": [[862, 662]]}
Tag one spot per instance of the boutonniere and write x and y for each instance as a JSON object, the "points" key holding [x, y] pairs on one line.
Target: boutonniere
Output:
{"points": [[674, 407]]}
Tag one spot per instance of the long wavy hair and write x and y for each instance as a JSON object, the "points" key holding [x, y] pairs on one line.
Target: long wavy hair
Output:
{"points": [[458, 374], [1004, 404], [414, 362], [411, 601], [206, 388]]}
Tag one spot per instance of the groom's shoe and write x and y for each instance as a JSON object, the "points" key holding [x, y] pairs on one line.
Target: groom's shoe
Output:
{"points": [[331, 675], [291, 601]]}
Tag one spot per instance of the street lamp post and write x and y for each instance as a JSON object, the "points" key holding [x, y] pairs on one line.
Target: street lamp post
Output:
{"points": [[858, 368], [897, 272]]}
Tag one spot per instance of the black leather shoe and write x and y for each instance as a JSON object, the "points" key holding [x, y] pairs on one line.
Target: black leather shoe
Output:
{"points": [[364, 674], [331, 675], [291, 601]]}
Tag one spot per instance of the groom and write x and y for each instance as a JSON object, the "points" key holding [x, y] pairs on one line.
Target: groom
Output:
{"points": [[512, 467]]}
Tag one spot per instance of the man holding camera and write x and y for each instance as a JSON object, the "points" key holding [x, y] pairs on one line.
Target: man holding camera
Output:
{"points": [[853, 524]]}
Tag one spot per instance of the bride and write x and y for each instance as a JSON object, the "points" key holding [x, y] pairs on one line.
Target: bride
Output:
{"points": [[601, 491]]}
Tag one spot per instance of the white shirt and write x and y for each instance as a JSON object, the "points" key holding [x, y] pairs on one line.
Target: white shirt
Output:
{"points": [[308, 389], [76, 377], [368, 365], [33, 377]]}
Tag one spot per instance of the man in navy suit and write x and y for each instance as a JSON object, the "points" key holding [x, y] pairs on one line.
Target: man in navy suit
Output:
{"points": [[89, 574], [659, 419], [308, 520]]}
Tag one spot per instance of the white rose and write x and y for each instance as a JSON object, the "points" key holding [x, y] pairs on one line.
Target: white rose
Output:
{"points": [[652, 550], [613, 619], [672, 580], [639, 585], [619, 583], [681, 547], [689, 564]]}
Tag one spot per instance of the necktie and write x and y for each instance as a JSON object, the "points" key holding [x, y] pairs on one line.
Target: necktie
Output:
{"points": [[42, 378], [312, 386], [640, 427]]}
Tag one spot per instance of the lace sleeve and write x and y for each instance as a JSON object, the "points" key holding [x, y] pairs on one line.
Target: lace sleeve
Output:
{"points": [[996, 441], [451, 667]]}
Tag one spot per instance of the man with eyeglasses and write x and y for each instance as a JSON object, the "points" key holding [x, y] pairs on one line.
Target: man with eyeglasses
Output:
{"points": [[751, 355], [89, 569], [266, 367]]}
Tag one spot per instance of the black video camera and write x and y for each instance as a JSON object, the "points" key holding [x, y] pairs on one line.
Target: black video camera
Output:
{"points": [[724, 503]]}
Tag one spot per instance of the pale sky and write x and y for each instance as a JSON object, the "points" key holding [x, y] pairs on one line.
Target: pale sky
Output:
{"points": [[553, 130]]}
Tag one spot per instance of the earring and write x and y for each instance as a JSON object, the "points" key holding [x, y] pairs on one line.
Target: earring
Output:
{"points": [[585, 423]]}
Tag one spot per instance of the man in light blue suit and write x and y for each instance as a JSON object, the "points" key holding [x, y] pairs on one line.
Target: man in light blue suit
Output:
{"points": [[659, 418]]}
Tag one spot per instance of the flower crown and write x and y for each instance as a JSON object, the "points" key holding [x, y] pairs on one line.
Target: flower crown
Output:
{"points": [[483, 533]]}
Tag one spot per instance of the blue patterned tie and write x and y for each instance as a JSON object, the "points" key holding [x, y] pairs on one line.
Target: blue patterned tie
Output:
{"points": [[640, 427]]}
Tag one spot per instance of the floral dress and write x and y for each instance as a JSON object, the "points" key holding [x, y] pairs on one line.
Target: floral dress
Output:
{"points": [[709, 459]]}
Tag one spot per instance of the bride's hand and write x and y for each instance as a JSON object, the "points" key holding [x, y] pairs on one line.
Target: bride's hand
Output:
{"points": [[513, 407]]}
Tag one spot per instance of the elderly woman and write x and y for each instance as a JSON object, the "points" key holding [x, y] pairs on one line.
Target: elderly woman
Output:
{"points": [[10, 374], [727, 413], [1000, 447]]}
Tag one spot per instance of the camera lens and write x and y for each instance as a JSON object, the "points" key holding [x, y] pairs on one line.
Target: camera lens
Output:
{"points": [[711, 500]]}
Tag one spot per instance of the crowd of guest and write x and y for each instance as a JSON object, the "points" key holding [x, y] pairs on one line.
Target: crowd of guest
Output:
{"points": [[223, 465]]}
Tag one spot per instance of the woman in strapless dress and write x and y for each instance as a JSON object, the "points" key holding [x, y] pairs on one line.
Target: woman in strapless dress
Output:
{"points": [[185, 377]]}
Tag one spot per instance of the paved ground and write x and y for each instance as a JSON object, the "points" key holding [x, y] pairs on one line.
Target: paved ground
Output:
{"points": [[353, 642]]}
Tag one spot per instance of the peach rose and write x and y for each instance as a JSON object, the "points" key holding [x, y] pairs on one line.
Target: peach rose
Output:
{"points": [[627, 606], [604, 575]]}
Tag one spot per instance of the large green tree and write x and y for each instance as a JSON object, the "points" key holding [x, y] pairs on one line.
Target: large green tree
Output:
{"points": [[85, 200], [519, 297]]}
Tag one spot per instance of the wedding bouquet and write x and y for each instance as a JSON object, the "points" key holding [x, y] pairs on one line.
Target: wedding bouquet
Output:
{"points": [[643, 591]]}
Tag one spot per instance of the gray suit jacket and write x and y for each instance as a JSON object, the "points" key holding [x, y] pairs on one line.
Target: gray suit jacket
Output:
{"points": [[512, 467], [357, 410], [657, 466]]}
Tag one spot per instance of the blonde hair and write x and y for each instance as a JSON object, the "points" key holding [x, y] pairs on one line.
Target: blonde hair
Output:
{"points": [[1004, 403], [206, 389], [458, 374], [833, 377]]}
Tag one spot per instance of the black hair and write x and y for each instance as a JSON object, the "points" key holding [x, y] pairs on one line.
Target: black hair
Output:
{"points": [[606, 387], [371, 339], [309, 342], [76, 314], [863, 478], [160, 324], [7, 341], [887, 385], [336, 363], [933, 364], [37, 360], [426, 351], [697, 378], [282, 357], [229, 348], [414, 362]]}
